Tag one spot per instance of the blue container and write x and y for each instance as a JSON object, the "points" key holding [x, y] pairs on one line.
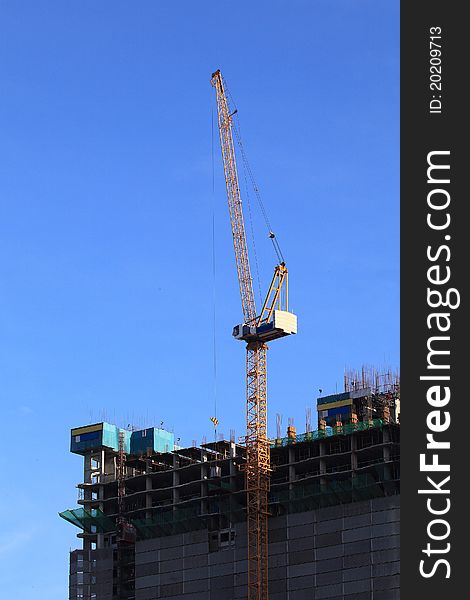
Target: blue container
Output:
{"points": [[97, 436], [153, 440]]}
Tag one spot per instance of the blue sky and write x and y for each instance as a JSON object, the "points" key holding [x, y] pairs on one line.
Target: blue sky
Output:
{"points": [[106, 212]]}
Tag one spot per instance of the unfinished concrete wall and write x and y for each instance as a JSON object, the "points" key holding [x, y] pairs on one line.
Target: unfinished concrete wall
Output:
{"points": [[348, 552], [91, 574]]}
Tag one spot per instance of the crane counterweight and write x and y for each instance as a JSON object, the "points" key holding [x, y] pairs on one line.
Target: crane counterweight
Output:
{"points": [[282, 323]]}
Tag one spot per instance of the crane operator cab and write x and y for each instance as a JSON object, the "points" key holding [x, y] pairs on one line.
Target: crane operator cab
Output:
{"points": [[282, 323]]}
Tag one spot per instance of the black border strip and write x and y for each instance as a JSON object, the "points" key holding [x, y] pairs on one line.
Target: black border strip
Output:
{"points": [[423, 246]]}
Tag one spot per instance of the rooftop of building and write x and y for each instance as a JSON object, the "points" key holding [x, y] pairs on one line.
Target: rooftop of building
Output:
{"points": [[319, 478]]}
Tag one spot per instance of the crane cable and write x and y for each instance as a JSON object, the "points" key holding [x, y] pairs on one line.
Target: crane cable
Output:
{"points": [[253, 239], [214, 419], [247, 167]]}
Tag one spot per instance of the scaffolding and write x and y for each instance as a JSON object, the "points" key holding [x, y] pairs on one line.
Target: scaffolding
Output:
{"points": [[379, 382], [343, 479]]}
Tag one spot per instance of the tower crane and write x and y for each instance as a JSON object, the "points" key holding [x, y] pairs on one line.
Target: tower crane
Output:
{"points": [[274, 321], [126, 533]]}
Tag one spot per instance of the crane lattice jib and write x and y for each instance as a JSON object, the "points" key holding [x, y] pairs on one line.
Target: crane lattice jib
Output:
{"points": [[234, 200]]}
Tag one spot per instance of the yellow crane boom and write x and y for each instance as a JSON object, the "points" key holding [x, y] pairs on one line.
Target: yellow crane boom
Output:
{"points": [[273, 322], [234, 201]]}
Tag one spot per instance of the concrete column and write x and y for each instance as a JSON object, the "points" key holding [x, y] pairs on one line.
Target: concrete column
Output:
{"points": [[233, 454], [101, 470], [291, 468], [148, 497], [176, 480], [86, 544], [353, 454], [322, 462], [233, 450], [386, 453], [204, 487]]}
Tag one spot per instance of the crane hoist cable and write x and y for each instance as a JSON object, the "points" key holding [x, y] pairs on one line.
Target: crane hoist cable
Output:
{"points": [[248, 169], [248, 173], [252, 231], [214, 281]]}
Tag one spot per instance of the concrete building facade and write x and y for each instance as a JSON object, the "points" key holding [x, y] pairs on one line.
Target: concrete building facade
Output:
{"points": [[333, 530]]}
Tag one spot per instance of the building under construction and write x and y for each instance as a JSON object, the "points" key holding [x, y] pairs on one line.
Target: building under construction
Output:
{"points": [[303, 516], [160, 521]]}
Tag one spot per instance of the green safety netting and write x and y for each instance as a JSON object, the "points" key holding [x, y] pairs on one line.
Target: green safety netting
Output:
{"points": [[221, 485], [180, 520], [302, 497], [346, 429], [169, 522], [91, 521], [329, 493]]}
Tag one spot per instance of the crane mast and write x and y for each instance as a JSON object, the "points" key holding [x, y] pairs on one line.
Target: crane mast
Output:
{"points": [[272, 323], [126, 533]]}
